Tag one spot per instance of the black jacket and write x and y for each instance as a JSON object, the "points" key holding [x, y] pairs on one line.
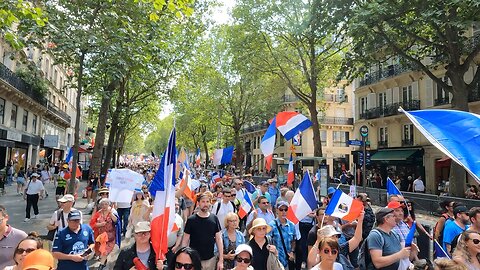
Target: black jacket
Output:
{"points": [[126, 256]]}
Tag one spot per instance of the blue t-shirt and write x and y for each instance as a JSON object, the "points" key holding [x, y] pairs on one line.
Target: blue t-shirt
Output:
{"points": [[68, 242], [451, 231], [274, 194], [288, 233]]}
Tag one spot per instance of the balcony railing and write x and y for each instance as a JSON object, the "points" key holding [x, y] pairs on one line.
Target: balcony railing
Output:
{"points": [[407, 142], [334, 98], [336, 120], [390, 71], [391, 109], [56, 111], [255, 127], [382, 144], [441, 101], [474, 95], [11, 78]]}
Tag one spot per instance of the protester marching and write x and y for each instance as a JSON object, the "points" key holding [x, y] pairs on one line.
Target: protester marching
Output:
{"points": [[176, 214]]}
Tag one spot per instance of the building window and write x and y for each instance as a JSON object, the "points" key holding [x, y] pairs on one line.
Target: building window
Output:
{"points": [[383, 135], [323, 137], [25, 120], [34, 124], [407, 135], [407, 94], [47, 68], [13, 116], [2, 110], [340, 138], [363, 105]]}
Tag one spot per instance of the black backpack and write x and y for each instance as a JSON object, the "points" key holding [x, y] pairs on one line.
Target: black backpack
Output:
{"points": [[218, 207], [440, 236]]}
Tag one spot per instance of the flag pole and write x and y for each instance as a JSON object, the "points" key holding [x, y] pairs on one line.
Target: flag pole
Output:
{"points": [[443, 250]]}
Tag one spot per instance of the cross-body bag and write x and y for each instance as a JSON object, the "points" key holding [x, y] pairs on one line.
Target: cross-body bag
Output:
{"points": [[51, 233], [291, 264], [272, 261]]}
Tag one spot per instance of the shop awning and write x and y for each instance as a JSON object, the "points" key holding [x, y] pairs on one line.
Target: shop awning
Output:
{"points": [[397, 154]]}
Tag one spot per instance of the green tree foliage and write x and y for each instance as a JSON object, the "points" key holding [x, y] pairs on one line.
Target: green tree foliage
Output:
{"points": [[157, 139], [18, 19], [424, 35], [297, 41]]}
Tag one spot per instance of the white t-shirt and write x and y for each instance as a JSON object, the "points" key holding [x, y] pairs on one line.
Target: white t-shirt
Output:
{"points": [[221, 210], [336, 266], [418, 185], [45, 175], [58, 222], [34, 187]]}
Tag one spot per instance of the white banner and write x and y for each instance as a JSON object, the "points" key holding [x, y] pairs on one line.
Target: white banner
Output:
{"points": [[122, 184]]}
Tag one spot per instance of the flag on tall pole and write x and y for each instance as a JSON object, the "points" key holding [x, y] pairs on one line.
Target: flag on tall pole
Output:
{"points": [[223, 156], [290, 174], [197, 157], [268, 144], [303, 202], [162, 187], [392, 189]]}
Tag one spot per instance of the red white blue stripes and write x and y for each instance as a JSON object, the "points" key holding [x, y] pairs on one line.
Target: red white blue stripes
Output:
{"points": [[291, 123], [268, 144]]}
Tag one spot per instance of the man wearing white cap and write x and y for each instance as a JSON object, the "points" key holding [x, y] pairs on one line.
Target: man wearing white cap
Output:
{"points": [[59, 218], [33, 192]]}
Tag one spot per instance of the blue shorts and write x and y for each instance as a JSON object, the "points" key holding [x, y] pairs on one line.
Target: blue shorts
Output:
{"points": [[21, 181]]}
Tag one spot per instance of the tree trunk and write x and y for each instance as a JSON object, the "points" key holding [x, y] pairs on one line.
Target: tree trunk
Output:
{"points": [[317, 142], [76, 137], [203, 132], [458, 175], [113, 129], [96, 161], [238, 149], [116, 144]]}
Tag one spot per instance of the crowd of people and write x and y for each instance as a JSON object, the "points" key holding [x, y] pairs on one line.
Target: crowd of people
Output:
{"points": [[213, 233]]}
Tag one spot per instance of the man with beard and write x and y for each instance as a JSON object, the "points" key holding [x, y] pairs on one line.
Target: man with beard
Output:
{"points": [[202, 231], [455, 227]]}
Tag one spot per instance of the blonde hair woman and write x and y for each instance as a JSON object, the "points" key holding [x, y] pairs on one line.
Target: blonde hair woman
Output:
{"points": [[468, 250], [447, 264], [232, 238]]}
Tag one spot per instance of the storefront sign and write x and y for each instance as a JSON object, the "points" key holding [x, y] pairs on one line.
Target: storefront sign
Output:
{"points": [[50, 141], [14, 136]]}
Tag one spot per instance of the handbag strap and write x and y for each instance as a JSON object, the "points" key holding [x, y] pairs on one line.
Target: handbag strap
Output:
{"points": [[281, 237]]}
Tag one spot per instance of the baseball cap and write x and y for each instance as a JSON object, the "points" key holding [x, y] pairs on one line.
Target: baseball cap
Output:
{"points": [[263, 183], [66, 198], [243, 247], [65, 166], [142, 226], [39, 259], [331, 190], [460, 209], [74, 215], [394, 205], [282, 203], [382, 212], [272, 180], [35, 174]]}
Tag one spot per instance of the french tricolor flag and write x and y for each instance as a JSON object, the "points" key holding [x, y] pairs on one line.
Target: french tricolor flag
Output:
{"points": [[343, 206], [163, 189], [291, 123], [268, 144], [187, 180], [291, 174], [197, 157], [246, 205], [303, 202], [223, 156]]}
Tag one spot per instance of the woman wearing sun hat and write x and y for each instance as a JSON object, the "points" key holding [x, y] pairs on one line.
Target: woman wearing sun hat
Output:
{"points": [[259, 243]]}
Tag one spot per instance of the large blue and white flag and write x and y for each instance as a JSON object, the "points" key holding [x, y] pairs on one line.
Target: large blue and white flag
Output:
{"points": [[455, 133], [223, 156], [391, 188]]}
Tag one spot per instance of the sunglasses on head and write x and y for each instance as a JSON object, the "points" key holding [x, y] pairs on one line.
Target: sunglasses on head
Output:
{"points": [[333, 251], [21, 250], [245, 260], [186, 266]]}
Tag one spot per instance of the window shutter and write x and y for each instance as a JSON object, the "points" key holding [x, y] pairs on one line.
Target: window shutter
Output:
{"points": [[428, 92]]}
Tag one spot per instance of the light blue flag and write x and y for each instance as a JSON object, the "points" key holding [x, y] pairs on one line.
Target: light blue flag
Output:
{"points": [[455, 133]]}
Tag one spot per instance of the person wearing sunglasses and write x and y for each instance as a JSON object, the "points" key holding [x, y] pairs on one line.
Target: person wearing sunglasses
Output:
{"points": [[468, 250], [186, 258], [27, 245], [243, 257], [9, 239], [283, 236], [328, 251], [263, 211]]}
